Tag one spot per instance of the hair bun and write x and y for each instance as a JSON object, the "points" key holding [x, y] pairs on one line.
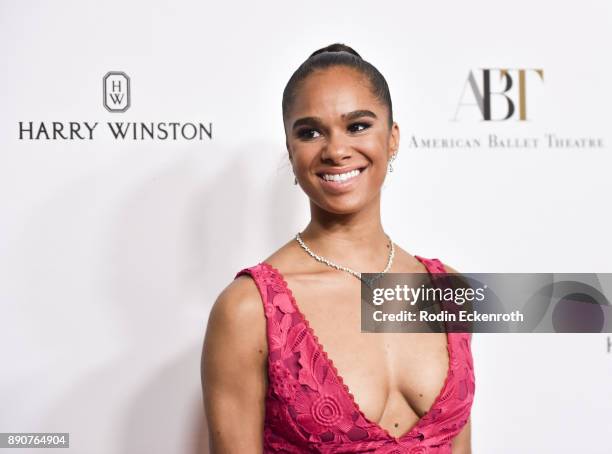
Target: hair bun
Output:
{"points": [[332, 56], [336, 47]]}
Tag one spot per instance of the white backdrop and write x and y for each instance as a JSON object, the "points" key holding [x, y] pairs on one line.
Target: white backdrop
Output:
{"points": [[112, 251]]}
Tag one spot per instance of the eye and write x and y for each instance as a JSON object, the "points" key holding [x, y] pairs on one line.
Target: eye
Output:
{"points": [[306, 133], [354, 127]]}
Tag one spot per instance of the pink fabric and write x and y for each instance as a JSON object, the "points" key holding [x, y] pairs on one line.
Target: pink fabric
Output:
{"points": [[310, 410]]}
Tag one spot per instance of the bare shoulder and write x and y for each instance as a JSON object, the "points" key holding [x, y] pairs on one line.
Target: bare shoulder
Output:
{"points": [[239, 305], [408, 262], [240, 296], [237, 316], [233, 368]]}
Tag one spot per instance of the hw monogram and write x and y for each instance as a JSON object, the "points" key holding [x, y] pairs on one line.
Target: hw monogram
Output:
{"points": [[116, 91], [511, 99]]}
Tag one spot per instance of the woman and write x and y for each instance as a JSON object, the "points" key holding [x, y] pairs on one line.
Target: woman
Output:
{"points": [[269, 384]]}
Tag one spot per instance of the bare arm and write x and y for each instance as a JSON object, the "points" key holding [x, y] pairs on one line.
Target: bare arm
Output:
{"points": [[233, 370], [462, 443]]}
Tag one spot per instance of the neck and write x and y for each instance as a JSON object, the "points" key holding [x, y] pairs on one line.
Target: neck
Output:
{"points": [[356, 240]]}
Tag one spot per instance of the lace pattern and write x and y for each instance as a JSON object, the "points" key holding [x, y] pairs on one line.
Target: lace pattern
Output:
{"points": [[309, 408]]}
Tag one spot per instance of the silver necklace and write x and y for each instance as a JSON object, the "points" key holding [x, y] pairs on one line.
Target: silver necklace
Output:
{"points": [[357, 274]]}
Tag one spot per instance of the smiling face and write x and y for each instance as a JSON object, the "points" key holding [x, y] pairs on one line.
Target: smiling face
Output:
{"points": [[339, 140]]}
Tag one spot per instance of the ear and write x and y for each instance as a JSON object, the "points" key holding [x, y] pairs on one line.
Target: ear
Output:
{"points": [[394, 137], [288, 150]]}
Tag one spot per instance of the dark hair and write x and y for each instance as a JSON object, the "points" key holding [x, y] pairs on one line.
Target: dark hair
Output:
{"points": [[338, 54]]}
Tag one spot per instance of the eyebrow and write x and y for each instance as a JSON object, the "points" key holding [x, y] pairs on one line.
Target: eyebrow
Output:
{"points": [[347, 116]]}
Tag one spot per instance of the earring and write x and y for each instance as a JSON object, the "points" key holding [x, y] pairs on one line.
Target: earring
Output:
{"points": [[391, 161], [295, 180]]}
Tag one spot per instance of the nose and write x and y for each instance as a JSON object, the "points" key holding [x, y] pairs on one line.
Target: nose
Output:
{"points": [[336, 149]]}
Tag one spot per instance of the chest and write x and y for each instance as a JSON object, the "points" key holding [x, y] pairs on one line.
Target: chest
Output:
{"points": [[397, 374]]}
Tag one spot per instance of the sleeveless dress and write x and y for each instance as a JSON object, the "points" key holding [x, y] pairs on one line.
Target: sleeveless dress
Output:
{"points": [[308, 408]]}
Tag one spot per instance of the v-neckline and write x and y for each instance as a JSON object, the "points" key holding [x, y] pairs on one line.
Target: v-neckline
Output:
{"points": [[414, 430]]}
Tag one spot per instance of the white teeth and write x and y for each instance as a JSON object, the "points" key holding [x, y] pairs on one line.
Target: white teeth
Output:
{"points": [[341, 176]]}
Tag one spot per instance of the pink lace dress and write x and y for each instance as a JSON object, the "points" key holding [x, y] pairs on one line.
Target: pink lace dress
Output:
{"points": [[310, 410]]}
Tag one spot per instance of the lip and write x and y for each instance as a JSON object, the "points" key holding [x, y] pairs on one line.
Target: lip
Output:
{"points": [[338, 170], [340, 187]]}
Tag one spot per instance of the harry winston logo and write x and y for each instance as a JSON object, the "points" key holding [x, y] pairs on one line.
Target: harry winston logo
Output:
{"points": [[116, 98], [116, 86]]}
